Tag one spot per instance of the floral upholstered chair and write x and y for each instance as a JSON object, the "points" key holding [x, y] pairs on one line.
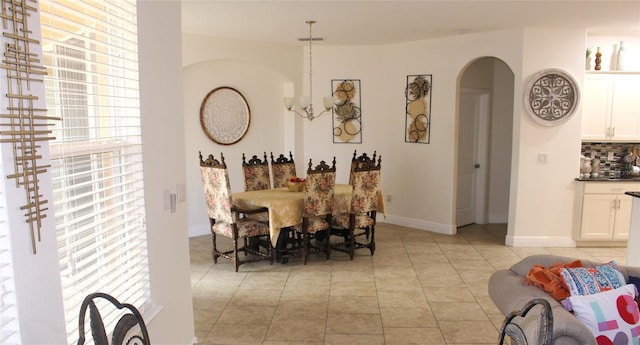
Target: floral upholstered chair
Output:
{"points": [[256, 173], [361, 219], [282, 170], [318, 205], [226, 218], [355, 161]]}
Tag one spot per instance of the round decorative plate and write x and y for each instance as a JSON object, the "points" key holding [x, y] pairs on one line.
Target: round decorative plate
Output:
{"points": [[225, 115], [551, 97]]}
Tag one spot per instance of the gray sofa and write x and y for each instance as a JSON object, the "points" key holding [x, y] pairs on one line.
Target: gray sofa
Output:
{"points": [[509, 292]]}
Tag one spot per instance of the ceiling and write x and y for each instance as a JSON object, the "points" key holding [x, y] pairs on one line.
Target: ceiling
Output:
{"points": [[383, 22]]}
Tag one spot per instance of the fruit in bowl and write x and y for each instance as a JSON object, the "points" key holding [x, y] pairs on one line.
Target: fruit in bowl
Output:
{"points": [[295, 184]]}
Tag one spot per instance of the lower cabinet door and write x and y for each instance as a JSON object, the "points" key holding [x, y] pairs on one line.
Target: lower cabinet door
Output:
{"points": [[623, 218], [598, 216]]}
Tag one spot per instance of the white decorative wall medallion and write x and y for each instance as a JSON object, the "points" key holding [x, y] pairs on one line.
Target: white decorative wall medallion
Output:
{"points": [[551, 97]]}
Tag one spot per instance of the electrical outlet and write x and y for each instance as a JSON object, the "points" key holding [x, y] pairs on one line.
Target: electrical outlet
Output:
{"points": [[389, 198], [611, 156]]}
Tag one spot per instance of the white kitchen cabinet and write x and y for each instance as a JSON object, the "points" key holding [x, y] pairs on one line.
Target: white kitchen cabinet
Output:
{"points": [[611, 107], [603, 211]]}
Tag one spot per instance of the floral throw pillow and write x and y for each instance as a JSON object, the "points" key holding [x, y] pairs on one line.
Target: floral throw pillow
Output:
{"points": [[590, 280], [612, 316]]}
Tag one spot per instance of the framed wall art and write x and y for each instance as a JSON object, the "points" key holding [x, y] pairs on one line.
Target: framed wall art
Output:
{"points": [[225, 115], [551, 97], [418, 109], [347, 114]]}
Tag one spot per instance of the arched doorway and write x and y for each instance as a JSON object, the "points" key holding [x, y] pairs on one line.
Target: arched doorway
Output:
{"points": [[484, 142]]}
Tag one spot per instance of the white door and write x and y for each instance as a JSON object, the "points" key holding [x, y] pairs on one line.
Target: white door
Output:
{"points": [[472, 140]]}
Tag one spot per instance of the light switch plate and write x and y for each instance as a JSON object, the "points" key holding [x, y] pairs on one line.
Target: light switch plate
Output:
{"points": [[543, 157]]}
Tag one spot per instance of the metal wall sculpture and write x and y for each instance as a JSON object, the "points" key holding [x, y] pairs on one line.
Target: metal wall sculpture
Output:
{"points": [[347, 114], [418, 109], [22, 124]]}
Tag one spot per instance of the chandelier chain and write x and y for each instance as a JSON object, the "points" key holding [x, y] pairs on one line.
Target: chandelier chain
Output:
{"points": [[310, 62]]}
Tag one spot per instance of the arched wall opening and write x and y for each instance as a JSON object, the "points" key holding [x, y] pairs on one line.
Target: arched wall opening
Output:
{"points": [[484, 142]]}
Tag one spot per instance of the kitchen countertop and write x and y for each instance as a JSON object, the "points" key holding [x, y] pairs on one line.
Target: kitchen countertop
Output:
{"points": [[609, 179], [634, 194]]}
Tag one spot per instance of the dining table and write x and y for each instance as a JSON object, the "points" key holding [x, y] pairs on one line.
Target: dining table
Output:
{"points": [[285, 209], [286, 206]]}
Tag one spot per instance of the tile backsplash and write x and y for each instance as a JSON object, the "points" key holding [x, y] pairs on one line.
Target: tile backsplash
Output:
{"points": [[608, 168]]}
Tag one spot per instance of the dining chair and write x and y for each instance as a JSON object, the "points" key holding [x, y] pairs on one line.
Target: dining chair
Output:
{"points": [[318, 206], [282, 169], [227, 219], [361, 218], [359, 160], [129, 330], [256, 173]]}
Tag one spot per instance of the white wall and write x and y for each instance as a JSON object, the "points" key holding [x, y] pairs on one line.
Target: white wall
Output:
{"points": [[501, 143], [494, 76], [542, 194], [163, 139], [609, 45], [37, 282], [264, 74], [420, 177]]}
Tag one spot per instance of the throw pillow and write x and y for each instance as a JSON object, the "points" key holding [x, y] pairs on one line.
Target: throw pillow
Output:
{"points": [[549, 279], [635, 281], [612, 316], [590, 280]]}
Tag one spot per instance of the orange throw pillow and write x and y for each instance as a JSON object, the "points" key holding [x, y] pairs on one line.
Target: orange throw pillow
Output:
{"points": [[549, 279]]}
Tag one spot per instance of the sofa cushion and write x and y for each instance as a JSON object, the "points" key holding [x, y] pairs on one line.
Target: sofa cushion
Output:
{"points": [[549, 279], [590, 280], [612, 316]]}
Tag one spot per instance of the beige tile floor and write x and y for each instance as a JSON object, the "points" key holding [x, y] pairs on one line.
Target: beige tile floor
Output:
{"points": [[419, 288]]}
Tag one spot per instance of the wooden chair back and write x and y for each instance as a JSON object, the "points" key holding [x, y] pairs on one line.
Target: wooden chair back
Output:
{"points": [[356, 161], [282, 169], [366, 185], [217, 188], [319, 189], [256, 173]]}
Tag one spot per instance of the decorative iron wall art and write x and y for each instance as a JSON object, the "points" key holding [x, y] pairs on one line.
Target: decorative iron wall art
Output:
{"points": [[347, 114], [22, 124], [418, 109], [551, 97]]}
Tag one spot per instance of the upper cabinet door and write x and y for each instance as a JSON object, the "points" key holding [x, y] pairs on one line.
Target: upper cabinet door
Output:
{"points": [[611, 107], [596, 106], [625, 108]]}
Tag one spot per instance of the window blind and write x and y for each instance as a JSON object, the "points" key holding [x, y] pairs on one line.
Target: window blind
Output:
{"points": [[9, 328], [90, 52]]}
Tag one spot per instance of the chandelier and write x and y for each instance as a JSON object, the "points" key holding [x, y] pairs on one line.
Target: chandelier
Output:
{"points": [[305, 101]]}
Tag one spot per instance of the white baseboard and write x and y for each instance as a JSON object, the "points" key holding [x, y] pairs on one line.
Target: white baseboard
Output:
{"points": [[418, 224], [402, 221], [498, 218], [446, 229], [199, 230], [539, 241]]}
